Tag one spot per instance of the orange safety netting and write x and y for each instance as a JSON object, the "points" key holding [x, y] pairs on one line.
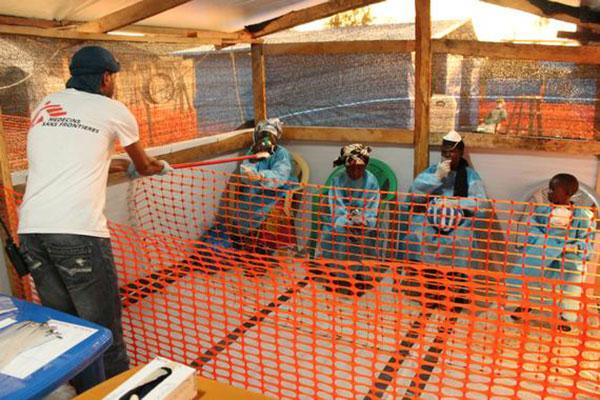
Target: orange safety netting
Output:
{"points": [[160, 126], [251, 298]]}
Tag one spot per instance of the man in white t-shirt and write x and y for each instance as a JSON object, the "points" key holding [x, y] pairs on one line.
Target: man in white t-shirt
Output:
{"points": [[62, 228]]}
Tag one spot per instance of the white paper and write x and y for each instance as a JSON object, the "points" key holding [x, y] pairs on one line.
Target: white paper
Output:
{"points": [[6, 322], [180, 373], [35, 358], [6, 305]]}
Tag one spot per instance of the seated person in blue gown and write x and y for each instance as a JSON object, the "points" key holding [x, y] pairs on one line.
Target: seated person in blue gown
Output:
{"points": [[264, 182], [438, 229], [558, 242], [348, 228]]}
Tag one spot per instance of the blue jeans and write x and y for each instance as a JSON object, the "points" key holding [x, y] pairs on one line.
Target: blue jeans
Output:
{"points": [[76, 274]]}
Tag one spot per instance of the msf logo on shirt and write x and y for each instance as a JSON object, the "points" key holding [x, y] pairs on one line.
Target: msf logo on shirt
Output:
{"points": [[50, 110]]}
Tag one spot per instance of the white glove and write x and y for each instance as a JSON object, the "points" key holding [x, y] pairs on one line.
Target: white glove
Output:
{"points": [[166, 168], [443, 169], [249, 172], [560, 217], [132, 172], [262, 155]]}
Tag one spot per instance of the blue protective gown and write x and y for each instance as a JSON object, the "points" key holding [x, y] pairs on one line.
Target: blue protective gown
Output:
{"points": [[258, 197], [423, 242], [344, 196], [543, 255]]}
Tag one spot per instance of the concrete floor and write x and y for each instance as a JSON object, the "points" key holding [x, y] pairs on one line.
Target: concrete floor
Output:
{"points": [[320, 344]]}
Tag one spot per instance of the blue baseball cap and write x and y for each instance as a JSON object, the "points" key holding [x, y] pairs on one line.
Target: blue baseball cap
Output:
{"points": [[93, 60]]}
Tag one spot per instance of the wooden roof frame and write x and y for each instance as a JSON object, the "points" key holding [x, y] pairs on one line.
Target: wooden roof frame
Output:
{"points": [[123, 20]]}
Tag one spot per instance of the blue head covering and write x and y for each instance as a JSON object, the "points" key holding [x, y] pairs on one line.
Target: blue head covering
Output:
{"points": [[87, 67]]}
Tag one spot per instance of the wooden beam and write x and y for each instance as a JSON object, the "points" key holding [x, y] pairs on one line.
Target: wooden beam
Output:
{"points": [[259, 88], [242, 140], [144, 29], [348, 135], [423, 62], [74, 35], [31, 22], [581, 36], [404, 137], [129, 15], [547, 9], [476, 140], [345, 47], [186, 32], [538, 52], [309, 14]]}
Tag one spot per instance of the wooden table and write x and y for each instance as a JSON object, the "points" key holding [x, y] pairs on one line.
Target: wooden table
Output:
{"points": [[207, 389]]}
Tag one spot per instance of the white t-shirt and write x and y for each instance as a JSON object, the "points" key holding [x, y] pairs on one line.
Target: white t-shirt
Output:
{"points": [[69, 148]]}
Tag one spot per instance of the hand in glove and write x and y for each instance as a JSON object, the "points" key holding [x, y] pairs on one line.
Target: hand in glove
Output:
{"points": [[250, 173], [132, 172], [443, 169], [166, 168], [560, 217]]}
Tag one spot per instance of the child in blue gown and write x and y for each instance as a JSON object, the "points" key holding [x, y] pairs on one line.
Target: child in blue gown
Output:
{"points": [[557, 243]]}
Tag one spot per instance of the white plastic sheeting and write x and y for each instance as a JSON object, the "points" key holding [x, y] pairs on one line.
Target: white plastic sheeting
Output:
{"points": [[220, 15]]}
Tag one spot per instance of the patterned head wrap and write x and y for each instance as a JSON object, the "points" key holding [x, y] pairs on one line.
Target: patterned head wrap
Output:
{"points": [[272, 126], [353, 152]]}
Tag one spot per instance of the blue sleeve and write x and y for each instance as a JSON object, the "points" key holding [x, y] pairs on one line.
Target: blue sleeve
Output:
{"points": [[280, 170], [371, 201], [477, 198], [425, 183], [584, 232], [337, 203], [544, 243]]}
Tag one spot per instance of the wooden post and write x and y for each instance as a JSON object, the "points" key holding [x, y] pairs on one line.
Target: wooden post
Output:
{"points": [[259, 82], [10, 206], [422, 84]]}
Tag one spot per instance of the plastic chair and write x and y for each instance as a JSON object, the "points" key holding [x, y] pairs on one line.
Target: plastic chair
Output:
{"points": [[278, 216], [585, 196], [388, 183]]}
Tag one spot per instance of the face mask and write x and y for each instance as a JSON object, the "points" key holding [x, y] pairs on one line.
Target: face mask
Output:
{"points": [[265, 144]]}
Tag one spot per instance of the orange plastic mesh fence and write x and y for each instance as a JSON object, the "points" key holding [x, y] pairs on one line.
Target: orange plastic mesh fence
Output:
{"points": [[271, 291], [153, 132]]}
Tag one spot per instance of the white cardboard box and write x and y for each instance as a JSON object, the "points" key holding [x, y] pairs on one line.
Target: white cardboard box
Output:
{"points": [[180, 385]]}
